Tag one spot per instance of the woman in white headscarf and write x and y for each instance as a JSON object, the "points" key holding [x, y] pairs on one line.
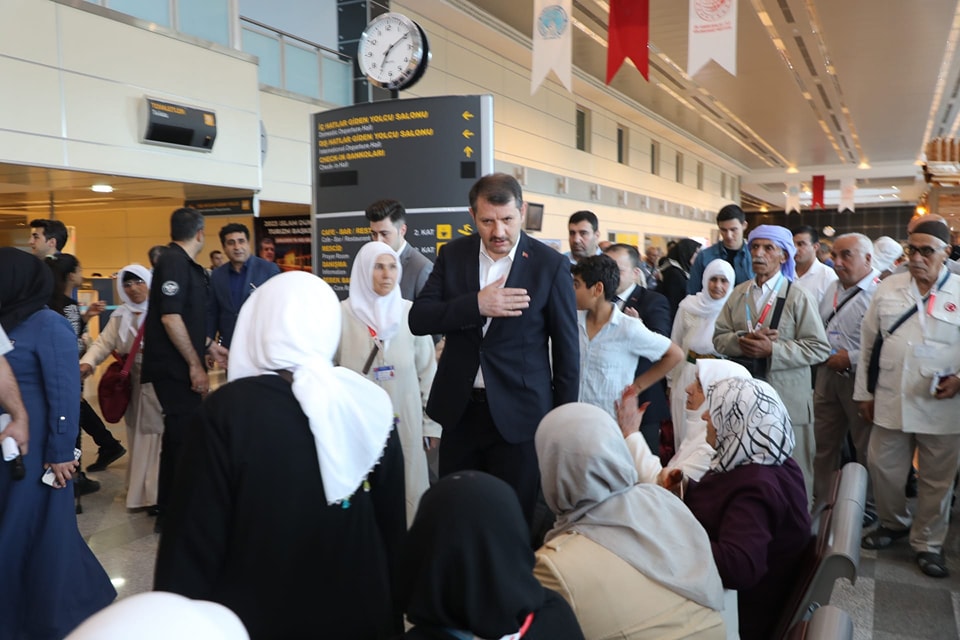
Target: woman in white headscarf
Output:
{"points": [[629, 558], [752, 502], [144, 418], [288, 506], [694, 455], [376, 342], [693, 330]]}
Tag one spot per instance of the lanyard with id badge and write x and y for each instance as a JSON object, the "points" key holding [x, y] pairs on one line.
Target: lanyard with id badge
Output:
{"points": [[929, 349], [382, 373]]}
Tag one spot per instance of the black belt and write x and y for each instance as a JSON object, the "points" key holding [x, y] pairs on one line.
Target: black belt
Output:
{"points": [[479, 395]]}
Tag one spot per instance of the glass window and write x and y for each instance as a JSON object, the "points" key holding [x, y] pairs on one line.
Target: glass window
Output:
{"points": [[678, 176], [150, 10], [267, 49], [337, 80], [700, 176], [207, 19], [623, 144], [301, 72], [583, 129], [655, 157], [723, 185]]}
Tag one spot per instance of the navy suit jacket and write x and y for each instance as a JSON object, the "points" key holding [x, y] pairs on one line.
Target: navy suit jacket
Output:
{"points": [[221, 316], [516, 352], [654, 310]]}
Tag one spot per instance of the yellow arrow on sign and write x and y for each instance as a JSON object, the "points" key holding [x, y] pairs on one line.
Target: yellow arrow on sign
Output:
{"points": [[467, 133], [467, 115], [469, 151]]}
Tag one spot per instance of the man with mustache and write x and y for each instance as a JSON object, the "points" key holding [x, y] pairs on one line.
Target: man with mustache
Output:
{"points": [[774, 328], [913, 399]]}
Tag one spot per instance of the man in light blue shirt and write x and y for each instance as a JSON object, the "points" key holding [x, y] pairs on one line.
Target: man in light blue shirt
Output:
{"points": [[584, 228], [834, 411]]}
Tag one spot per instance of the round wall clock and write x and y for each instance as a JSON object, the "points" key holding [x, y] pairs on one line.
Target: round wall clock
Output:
{"points": [[393, 51]]}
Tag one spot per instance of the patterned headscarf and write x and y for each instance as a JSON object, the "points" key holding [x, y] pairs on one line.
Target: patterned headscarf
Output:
{"points": [[752, 424]]}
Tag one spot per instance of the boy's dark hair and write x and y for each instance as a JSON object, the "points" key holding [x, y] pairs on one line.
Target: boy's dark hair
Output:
{"points": [[392, 209], [154, 253], [233, 227], [52, 229], [631, 252], [602, 268], [814, 236], [731, 212], [185, 223], [585, 216], [61, 266], [496, 188], [267, 240]]}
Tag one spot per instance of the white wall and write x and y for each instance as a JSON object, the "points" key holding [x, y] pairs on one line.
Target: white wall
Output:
{"points": [[74, 84]]}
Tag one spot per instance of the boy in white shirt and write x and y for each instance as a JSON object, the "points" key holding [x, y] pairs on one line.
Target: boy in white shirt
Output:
{"points": [[610, 341]]}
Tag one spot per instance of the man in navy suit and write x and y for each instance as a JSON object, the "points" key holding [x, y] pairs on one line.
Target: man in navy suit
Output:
{"points": [[232, 283], [654, 310], [506, 304]]}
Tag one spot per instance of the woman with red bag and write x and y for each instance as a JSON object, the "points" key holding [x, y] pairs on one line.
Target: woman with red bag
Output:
{"points": [[143, 416]]}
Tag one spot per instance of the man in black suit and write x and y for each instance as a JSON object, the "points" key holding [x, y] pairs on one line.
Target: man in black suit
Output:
{"points": [[505, 302], [654, 310]]}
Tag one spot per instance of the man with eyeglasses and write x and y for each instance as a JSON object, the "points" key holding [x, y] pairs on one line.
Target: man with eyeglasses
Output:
{"points": [[911, 398]]}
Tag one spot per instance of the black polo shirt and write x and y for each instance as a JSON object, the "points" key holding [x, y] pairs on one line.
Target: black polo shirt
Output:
{"points": [[179, 286]]}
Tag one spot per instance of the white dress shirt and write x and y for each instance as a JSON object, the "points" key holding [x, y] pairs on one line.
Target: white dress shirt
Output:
{"points": [[490, 271]]}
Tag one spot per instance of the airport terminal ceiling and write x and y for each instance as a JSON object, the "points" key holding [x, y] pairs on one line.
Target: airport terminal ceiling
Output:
{"points": [[32, 192], [822, 86]]}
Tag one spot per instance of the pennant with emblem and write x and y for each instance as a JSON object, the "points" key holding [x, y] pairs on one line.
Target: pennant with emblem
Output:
{"points": [[848, 191], [712, 35], [793, 197], [552, 42]]}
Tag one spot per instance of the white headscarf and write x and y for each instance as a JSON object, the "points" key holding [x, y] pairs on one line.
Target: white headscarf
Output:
{"points": [[157, 615], [752, 425], [382, 313], [702, 305], [712, 371], [886, 251], [292, 322], [127, 320], [590, 483]]}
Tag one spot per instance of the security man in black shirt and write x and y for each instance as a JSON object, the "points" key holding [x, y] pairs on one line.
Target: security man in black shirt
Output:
{"points": [[175, 340]]}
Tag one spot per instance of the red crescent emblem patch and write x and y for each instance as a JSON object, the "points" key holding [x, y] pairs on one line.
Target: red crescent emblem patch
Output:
{"points": [[951, 307]]}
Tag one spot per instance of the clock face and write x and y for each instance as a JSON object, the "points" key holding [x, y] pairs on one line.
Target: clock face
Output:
{"points": [[393, 51]]}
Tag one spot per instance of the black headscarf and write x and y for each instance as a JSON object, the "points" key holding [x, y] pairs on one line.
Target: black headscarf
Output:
{"points": [[25, 286], [467, 563], [682, 253]]}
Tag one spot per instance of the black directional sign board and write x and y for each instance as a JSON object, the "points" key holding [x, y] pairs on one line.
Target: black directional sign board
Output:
{"points": [[424, 152]]}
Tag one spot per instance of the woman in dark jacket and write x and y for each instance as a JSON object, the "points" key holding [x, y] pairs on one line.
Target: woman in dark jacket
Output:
{"points": [[752, 502], [676, 271]]}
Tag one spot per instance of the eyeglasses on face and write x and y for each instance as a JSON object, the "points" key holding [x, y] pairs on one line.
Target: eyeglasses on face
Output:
{"points": [[130, 283], [926, 252]]}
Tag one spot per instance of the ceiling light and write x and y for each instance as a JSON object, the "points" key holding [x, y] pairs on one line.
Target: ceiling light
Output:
{"points": [[793, 170], [863, 165], [102, 188]]}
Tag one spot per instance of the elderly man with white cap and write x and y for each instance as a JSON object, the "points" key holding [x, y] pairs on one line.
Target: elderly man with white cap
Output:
{"points": [[774, 329], [907, 385]]}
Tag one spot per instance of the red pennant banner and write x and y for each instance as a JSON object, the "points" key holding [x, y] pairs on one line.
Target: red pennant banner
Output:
{"points": [[628, 35], [817, 192]]}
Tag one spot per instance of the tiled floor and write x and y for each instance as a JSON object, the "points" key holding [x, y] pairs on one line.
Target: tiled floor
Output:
{"points": [[891, 599]]}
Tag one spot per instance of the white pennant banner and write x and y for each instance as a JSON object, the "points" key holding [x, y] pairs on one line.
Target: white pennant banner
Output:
{"points": [[712, 35], [793, 197], [552, 42], [848, 191]]}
